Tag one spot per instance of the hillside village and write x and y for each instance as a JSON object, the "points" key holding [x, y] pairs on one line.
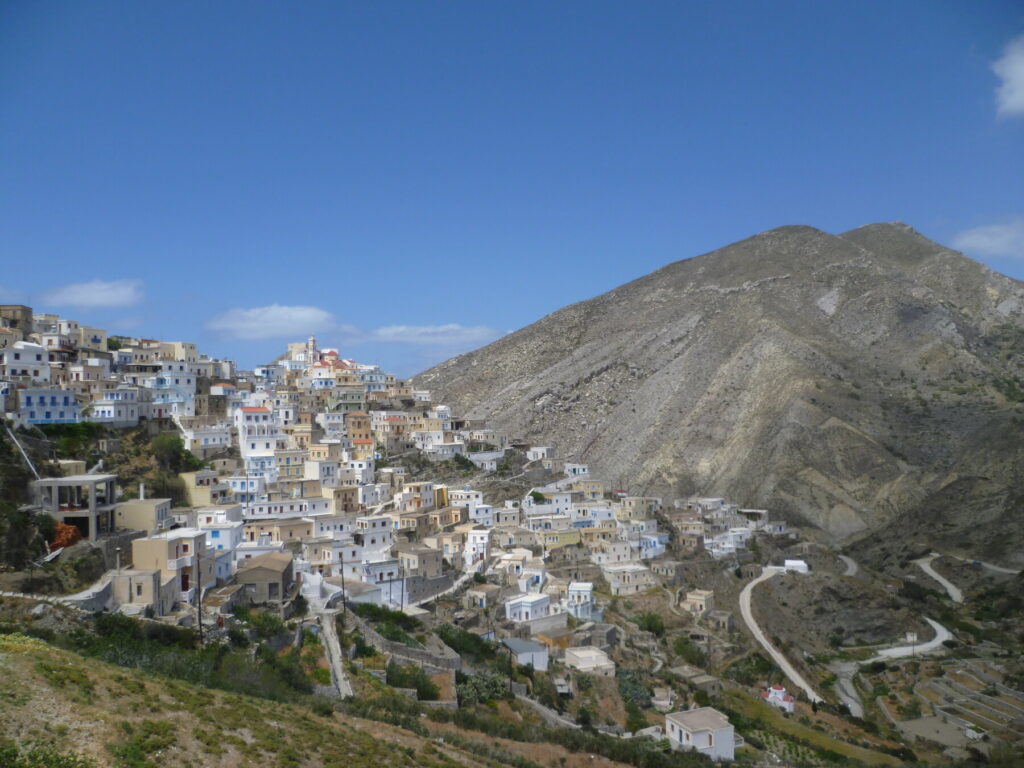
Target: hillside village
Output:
{"points": [[431, 553]]}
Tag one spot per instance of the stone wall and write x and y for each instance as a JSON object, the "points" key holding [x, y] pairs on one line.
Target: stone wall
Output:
{"points": [[438, 656]]}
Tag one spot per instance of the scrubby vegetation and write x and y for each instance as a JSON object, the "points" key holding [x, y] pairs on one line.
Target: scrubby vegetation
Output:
{"points": [[412, 677], [173, 652], [470, 647]]}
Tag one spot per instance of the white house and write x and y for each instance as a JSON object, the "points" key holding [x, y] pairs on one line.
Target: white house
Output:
{"points": [[527, 607], [48, 405], [24, 358], [482, 514], [202, 440], [796, 566], [705, 730], [527, 653], [777, 697], [224, 533], [540, 452], [120, 407], [579, 601], [477, 544], [590, 660]]}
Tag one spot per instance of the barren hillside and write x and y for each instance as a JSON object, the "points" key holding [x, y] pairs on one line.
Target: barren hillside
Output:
{"points": [[850, 381]]}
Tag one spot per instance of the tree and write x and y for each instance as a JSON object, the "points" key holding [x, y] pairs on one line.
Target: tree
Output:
{"points": [[170, 454], [19, 539], [652, 622], [635, 719]]}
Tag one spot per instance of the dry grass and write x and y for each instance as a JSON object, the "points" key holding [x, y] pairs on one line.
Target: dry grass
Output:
{"points": [[94, 709]]}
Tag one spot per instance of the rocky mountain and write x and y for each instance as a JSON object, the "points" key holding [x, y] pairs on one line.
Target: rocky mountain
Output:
{"points": [[854, 382]]}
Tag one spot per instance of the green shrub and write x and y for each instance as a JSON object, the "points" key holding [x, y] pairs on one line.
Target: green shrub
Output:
{"points": [[412, 677], [480, 688], [652, 622], [13, 755], [470, 646], [688, 651], [377, 613]]}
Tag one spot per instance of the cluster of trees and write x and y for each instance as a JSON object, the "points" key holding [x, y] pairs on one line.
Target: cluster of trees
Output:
{"points": [[23, 535]]}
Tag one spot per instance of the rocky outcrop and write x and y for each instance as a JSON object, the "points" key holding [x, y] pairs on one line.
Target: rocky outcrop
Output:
{"points": [[842, 381]]}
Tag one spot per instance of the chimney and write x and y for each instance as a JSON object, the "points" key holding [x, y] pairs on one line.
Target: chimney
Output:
{"points": [[142, 491]]}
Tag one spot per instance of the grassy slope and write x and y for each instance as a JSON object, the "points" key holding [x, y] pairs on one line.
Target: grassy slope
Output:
{"points": [[751, 708], [120, 717]]}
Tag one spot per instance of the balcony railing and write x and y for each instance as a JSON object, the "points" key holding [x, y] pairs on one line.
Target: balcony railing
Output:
{"points": [[177, 563]]}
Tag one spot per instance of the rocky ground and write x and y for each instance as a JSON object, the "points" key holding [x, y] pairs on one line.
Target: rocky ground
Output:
{"points": [[820, 612]]}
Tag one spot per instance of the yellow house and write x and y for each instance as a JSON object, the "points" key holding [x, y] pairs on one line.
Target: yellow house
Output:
{"points": [[555, 539], [591, 536], [294, 529], [179, 350], [180, 554], [150, 515], [592, 490], [204, 489]]}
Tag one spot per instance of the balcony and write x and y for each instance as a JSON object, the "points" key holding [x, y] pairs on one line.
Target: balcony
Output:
{"points": [[177, 563]]}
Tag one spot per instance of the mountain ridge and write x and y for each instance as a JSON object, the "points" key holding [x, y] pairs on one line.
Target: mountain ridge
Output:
{"points": [[793, 369]]}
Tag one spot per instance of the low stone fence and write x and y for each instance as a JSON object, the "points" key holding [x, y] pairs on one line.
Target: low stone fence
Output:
{"points": [[439, 656], [418, 589]]}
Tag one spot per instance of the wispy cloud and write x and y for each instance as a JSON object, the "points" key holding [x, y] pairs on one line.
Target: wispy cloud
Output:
{"points": [[1009, 68], [96, 293], [1005, 239], [126, 324], [448, 335], [296, 322], [271, 322]]}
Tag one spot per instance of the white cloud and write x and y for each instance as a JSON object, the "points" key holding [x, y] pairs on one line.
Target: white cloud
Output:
{"points": [[1010, 70], [450, 334], [274, 321], [280, 321], [96, 293], [1005, 239]]}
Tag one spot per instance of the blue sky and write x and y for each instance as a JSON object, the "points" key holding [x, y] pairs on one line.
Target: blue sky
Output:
{"points": [[410, 180]]}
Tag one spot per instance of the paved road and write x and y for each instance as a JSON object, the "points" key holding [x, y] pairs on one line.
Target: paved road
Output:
{"points": [[334, 654], [51, 599], [845, 689], [851, 565], [901, 651], [748, 616], [925, 564], [989, 566]]}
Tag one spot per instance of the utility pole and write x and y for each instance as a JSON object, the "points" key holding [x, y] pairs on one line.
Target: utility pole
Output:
{"points": [[344, 592], [199, 595]]}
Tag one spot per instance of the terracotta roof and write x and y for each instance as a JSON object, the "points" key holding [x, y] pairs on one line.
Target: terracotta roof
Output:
{"points": [[255, 410]]}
